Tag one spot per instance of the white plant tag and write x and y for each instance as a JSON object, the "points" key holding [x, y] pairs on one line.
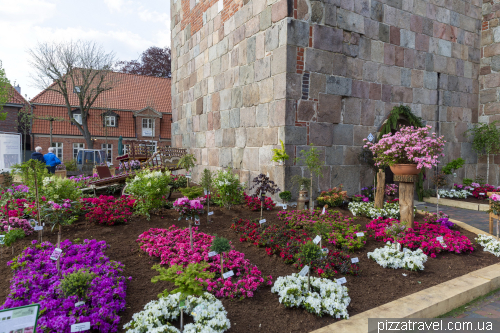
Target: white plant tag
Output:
{"points": [[481, 193], [405, 274], [56, 254], [284, 206], [2, 239], [370, 137], [262, 221], [324, 211], [360, 234], [79, 304], [341, 281], [205, 191], [211, 254], [325, 250], [80, 327], [317, 239], [354, 260], [38, 228], [437, 195], [440, 238], [304, 271], [228, 274], [197, 310], [210, 213], [196, 221], [443, 244], [399, 246]]}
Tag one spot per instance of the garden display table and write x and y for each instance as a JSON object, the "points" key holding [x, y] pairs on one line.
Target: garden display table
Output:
{"points": [[406, 197]]}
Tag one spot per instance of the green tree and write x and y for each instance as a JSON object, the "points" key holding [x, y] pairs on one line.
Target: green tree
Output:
{"points": [[311, 159], [187, 162], [5, 91], [485, 141], [221, 245], [308, 253]]}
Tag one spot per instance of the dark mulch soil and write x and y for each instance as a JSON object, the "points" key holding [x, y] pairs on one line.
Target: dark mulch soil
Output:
{"points": [[263, 313]]}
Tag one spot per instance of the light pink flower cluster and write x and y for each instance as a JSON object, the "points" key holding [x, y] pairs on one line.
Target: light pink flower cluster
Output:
{"points": [[172, 246], [189, 208], [409, 145]]}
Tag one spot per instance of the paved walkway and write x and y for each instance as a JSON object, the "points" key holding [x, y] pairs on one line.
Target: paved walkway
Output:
{"points": [[473, 218], [490, 306]]}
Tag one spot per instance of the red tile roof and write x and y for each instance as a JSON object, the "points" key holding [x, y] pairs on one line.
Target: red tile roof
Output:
{"points": [[16, 98], [132, 92]]}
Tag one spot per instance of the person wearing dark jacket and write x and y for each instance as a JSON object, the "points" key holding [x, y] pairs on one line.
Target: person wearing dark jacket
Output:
{"points": [[37, 155], [51, 160]]}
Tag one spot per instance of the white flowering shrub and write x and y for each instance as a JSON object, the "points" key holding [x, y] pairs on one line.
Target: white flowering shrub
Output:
{"points": [[390, 257], [461, 194], [390, 210], [228, 190], [489, 243], [150, 188], [208, 313], [58, 189], [325, 297]]}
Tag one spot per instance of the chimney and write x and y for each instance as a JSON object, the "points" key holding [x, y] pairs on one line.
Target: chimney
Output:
{"points": [[18, 89]]}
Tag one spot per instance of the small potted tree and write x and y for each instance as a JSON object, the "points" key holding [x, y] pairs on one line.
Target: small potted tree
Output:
{"points": [[221, 245], [285, 196], [206, 183], [311, 159], [187, 162], [307, 254], [485, 141], [263, 185]]}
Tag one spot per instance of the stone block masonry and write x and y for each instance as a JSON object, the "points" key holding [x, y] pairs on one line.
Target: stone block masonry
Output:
{"points": [[248, 73]]}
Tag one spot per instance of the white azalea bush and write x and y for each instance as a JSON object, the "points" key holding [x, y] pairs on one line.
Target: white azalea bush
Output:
{"points": [[390, 257], [150, 189], [489, 243], [228, 189], [390, 210], [208, 313], [325, 297], [58, 189], [461, 194]]}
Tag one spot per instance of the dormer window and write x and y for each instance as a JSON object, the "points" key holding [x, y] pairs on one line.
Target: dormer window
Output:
{"points": [[78, 118], [110, 121], [76, 89]]}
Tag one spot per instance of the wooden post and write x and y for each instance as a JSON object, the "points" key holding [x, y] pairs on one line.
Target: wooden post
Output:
{"points": [[379, 194], [406, 197]]}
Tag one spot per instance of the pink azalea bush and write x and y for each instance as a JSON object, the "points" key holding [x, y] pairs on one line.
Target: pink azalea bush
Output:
{"points": [[409, 145], [173, 248], [423, 236], [16, 223], [36, 280], [391, 189], [189, 208], [108, 210]]}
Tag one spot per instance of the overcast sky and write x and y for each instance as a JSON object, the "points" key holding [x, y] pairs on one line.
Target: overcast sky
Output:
{"points": [[126, 27]]}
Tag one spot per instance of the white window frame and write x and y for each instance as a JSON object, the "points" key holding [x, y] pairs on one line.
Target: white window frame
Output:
{"points": [[148, 124], [110, 121], [58, 149], [78, 118], [126, 149], [77, 89], [76, 147], [109, 151]]}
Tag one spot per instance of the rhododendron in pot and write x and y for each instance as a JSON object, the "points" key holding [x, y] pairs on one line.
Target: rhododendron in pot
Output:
{"points": [[188, 209], [410, 145]]}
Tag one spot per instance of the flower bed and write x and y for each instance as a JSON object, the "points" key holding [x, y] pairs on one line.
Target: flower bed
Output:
{"points": [[254, 203], [107, 210], [172, 246], [36, 280], [326, 297], [390, 257], [423, 236], [208, 313], [334, 197], [16, 223], [286, 243], [481, 192], [489, 243], [390, 210], [461, 194]]}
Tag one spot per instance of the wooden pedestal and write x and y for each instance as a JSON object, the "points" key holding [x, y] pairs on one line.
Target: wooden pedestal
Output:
{"points": [[379, 193], [406, 197]]}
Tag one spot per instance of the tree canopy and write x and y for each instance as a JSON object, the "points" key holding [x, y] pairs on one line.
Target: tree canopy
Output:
{"points": [[155, 61]]}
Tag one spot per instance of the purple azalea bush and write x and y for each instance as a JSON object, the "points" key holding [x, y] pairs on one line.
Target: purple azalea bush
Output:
{"points": [[36, 281]]}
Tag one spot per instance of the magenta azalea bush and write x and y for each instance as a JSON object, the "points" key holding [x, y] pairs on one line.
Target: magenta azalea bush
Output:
{"points": [[423, 236], [189, 208], [36, 281], [16, 223], [173, 248], [409, 145]]}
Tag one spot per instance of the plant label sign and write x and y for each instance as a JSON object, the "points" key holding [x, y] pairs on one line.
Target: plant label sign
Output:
{"points": [[317, 239], [341, 281], [2, 239], [188, 176], [437, 195], [80, 327], [19, 319], [284, 206], [304, 271], [360, 234], [210, 213], [38, 228], [370, 137], [262, 221], [196, 221], [228, 274], [325, 250], [79, 304], [481, 193], [197, 310], [211, 254], [354, 260], [440, 238], [55, 255]]}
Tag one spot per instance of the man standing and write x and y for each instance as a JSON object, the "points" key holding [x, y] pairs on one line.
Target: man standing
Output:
{"points": [[51, 160], [37, 155]]}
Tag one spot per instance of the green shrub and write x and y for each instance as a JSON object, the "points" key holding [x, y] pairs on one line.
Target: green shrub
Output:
{"points": [[228, 188], [27, 173], [285, 196], [192, 192], [467, 181], [71, 165], [150, 188], [13, 236], [449, 168], [58, 189], [76, 284]]}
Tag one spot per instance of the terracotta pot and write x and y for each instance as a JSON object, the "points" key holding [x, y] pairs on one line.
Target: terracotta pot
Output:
{"points": [[405, 169]]}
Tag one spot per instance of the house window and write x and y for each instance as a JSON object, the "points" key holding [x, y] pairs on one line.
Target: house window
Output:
{"points": [[78, 118], [108, 148], [77, 89], [151, 147], [147, 127], [58, 149], [76, 148], [110, 121], [126, 149]]}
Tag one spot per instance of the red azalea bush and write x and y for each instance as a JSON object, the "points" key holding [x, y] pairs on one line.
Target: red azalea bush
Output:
{"points": [[254, 203], [481, 192], [423, 236], [18, 208], [286, 243], [107, 210]]}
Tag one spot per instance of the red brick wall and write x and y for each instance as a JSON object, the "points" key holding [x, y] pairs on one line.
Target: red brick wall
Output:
{"points": [[9, 124]]}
